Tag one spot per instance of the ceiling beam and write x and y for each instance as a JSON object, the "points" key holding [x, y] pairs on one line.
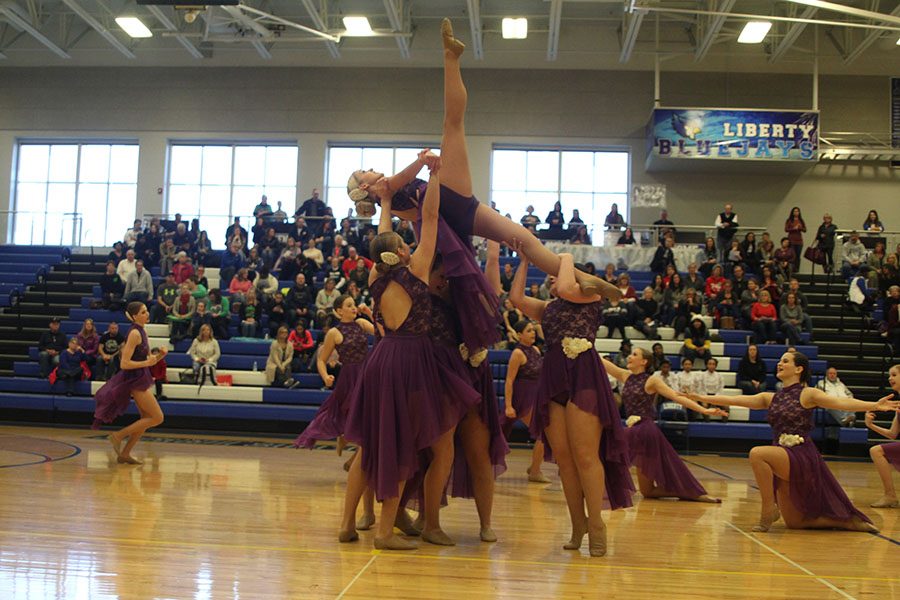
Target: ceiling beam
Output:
{"points": [[166, 22], [713, 26], [14, 14], [262, 49], [238, 15], [395, 16], [319, 22], [634, 20], [867, 41], [791, 36], [99, 28], [553, 35], [474, 7], [849, 10]]}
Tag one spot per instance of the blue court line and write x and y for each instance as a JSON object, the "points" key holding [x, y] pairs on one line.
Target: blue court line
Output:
{"points": [[46, 458], [754, 486]]}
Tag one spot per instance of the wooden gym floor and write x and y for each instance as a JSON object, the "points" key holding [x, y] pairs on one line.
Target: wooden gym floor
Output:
{"points": [[251, 518]]}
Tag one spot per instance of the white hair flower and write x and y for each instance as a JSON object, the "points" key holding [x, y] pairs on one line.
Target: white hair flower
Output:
{"points": [[476, 359], [358, 194], [464, 351], [572, 346], [632, 420], [789, 440], [389, 258]]}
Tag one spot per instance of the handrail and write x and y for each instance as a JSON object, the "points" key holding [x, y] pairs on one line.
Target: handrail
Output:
{"points": [[18, 305]]}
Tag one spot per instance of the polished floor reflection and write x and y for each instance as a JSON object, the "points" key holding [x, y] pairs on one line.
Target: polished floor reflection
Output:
{"points": [[210, 517]]}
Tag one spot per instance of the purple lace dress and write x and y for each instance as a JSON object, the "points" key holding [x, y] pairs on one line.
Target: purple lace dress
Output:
{"points": [[813, 489], [525, 389], [403, 402], [113, 398], [332, 415], [582, 380], [472, 295], [892, 453], [650, 451]]}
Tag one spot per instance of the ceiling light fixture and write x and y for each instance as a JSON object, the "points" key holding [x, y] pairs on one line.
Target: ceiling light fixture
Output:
{"points": [[515, 28], [754, 32], [133, 27], [357, 27]]}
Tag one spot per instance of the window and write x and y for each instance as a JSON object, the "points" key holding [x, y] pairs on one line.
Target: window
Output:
{"points": [[74, 194], [586, 180], [216, 183], [344, 160]]}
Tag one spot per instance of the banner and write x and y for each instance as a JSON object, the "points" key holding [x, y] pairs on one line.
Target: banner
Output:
{"points": [[895, 112], [711, 134]]}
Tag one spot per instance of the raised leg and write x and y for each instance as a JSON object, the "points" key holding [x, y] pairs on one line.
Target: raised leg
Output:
{"points": [[476, 440], [885, 472], [559, 442], [455, 172]]}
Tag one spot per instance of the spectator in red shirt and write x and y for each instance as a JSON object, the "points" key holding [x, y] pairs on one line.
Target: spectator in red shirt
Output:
{"points": [[183, 269], [302, 341], [350, 262], [715, 283], [763, 316]]}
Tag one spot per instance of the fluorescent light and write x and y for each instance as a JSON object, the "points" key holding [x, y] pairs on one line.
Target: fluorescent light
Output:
{"points": [[898, 41], [754, 32], [133, 27], [515, 28], [357, 26]]}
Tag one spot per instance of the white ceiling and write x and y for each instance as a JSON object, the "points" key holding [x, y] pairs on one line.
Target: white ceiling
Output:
{"points": [[563, 34]]}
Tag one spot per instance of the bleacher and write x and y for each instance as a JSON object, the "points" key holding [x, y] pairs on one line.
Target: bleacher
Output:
{"points": [[251, 405]]}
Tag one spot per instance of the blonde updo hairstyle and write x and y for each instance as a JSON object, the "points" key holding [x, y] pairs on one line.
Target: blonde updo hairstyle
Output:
{"points": [[365, 207], [383, 251]]}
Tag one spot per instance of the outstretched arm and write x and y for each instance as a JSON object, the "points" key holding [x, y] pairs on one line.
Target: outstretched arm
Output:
{"points": [[655, 385], [492, 266], [615, 370], [385, 224], [759, 401], [420, 264], [398, 180], [532, 307], [815, 397], [891, 433]]}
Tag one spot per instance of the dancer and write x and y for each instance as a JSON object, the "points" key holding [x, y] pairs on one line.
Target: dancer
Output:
{"points": [[576, 412], [886, 456], [132, 381], [660, 471], [460, 211], [403, 404], [808, 495], [481, 448], [520, 391], [349, 337]]}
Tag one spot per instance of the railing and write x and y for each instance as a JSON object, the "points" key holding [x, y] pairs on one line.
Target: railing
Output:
{"points": [[652, 231], [38, 232]]}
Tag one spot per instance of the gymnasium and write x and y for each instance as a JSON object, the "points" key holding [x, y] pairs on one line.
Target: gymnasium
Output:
{"points": [[710, 188]]}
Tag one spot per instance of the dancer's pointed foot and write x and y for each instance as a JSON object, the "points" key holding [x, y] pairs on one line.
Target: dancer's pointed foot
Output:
{"points": [[597, 541], [577, 538], [349, 462], [886, 502], [128, 460], [341, 444], [345, 537], [437, 537], [535, 476], [394, 543], [487, 535], [365, 522], [766, 522], [705, 498], [404, 523], [116, 444], [419, 523], [859, 525], [451, 44]]}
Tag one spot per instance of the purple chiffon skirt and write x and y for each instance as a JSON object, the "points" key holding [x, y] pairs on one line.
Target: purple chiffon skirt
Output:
{"points": [[525, 394], [113, 398], [892, 453], [329, 421], [652, 453], [403, 403], [460, 479], [472, 294], [583, 380], [814, 490]]}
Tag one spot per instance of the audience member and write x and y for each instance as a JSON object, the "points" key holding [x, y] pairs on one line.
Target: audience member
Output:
{"points": [[665, 373], [299, 299], [733, 257], [688, 380], [726, 224], [235, 234], [201, 250], [181, 238], [111, 288], [694, 279], [710, 257], [664, 256], [697, 342], [791, 314], [614, 221], [406, 233], [70, 370], [167, 256], [201, 318], [891, 327], [646, 318], [325, 301], [751, 373], [859, 294], [166, 294], [715, 283], [127, 266], [50, 345], [239, 286], [117, 254], [785, 258], [711, 383], [875, 261], [530, 219], [89, 342], [663, 225], [825, 240], [738, 280], [250, 314], [833, 386], [205, 354], [749, 254], [312, 253], [139, 285], [181, 314], [626, 239], [279, 216], [581, 237], [270, 247], [854, 256], [872, 223], [555, 221], [795, 227], [658, 355], [511, 315], [278, 365], [352, 259], [506, 277], [131, 235], [304, 346], [300, 233], [794, 288], [266, 284], [726, 307], [615, 316], [762, 317], [110, 344], [220, 313], [263, 209], [313, 209], [278, 313]]}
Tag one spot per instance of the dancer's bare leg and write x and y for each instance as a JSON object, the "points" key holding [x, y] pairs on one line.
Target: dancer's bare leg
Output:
{"points": [[559, 442], [356, 486], [455, 175], [885, 472], [384, 535], [367, 519], [767, 463], [537, 456], [584, 431], [476, 440], [435, 482], [151, 416], [649, 489]]}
